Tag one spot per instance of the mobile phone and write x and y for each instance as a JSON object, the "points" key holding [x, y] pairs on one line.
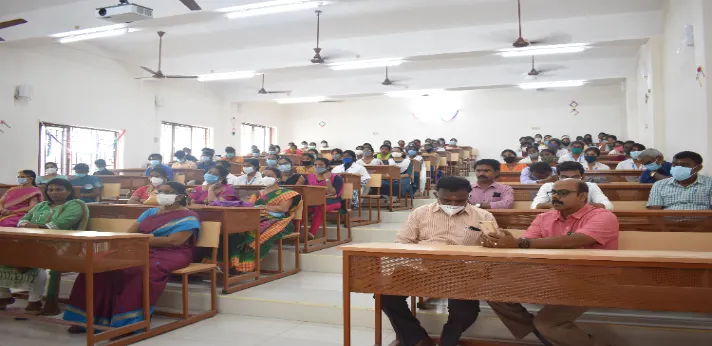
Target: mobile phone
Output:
{"points": [[488, 227]]}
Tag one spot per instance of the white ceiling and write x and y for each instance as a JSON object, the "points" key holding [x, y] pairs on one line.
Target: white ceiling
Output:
{"points": [[449, 43]]}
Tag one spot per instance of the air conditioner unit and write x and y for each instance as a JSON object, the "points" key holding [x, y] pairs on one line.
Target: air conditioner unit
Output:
{"points": [[125, 13]]}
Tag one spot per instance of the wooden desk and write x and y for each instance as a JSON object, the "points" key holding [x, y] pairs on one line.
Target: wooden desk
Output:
{"points": [[624, 279], [190, 174], [355, 180], [611, 176], [614, 192], [130, 171], [617, 158], [4, 188], [628, 220], [232, 220], [391, 174], [313, 196], [80, 252], [129, 182]]}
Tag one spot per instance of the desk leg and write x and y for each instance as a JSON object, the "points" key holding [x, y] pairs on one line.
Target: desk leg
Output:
{"points": [[323, 222], [258, 269], [379, 324], [146, 289], [226, 259], [305, 221], [391, 195], [347, 300], [89, 287]]}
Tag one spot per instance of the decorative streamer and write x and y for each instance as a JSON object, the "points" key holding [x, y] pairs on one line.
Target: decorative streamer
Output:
{"points": [[700, 75], [574, 105], [233, 125]]}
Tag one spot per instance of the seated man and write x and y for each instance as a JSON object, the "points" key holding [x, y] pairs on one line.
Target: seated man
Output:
{"points": [[632, 154], [101, 168], [182, 161], [574, 224], [156, 160], [447, 222], [538, 173], [576, 153], [571, 170], [656, 168], [231, 178], [487, 194], [686, 190], [251, 173], [90, 185], [206, 159]]}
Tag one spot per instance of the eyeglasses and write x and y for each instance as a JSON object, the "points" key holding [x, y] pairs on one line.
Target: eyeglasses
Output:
{"points": [[562, 193]]}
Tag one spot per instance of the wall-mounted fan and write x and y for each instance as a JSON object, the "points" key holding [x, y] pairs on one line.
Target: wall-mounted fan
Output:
{"points": [[159, 74]]}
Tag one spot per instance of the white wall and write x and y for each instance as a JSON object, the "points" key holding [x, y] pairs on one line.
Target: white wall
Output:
{"points": [[489, 120], [72, 87]]}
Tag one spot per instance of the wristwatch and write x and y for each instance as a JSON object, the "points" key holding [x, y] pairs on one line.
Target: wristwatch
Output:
{"points": [[478, 205], [524, 243], [652, 174]]}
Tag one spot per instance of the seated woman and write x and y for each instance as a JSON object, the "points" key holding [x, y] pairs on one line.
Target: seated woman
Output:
{"points": [[250, 173], [368, 159], [50, 173], [307, 166], [334, 185], [286, 177], [385, 154], [272, 160], [349, 166], [60, 210], [510, 162], [275, 222], [18, 200], [214, 189], [336, 156], [406, 169], [147, 194], [118, 297]]}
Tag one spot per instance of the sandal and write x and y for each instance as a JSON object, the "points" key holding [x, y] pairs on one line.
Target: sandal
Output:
{"points": [[76, 330], [51, 309]]}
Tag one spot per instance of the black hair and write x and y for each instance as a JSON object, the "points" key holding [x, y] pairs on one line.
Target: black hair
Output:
{"points": [[81, 167], [337, 150], [642, 147], [594, 149], [612, 136], [310, 143], [324, 160], [367, 144], [579, 143], [223, 171], [224, 163], [621, 142], [386, 146], [160, 170], [51, 163], [187, 150], [538, 134], [570, 166], [100, 163], [579, 138], [540, 167], [253, 162], [159, 156], [629, 142], [453, 139], [533, 147], [695, 157], [488, 162], [61, 182], [285, 158], [179, 154], [587, 135], [454, 184], [30, 173], [601, 133], [353, 156], [278, 148], [229, 150], [180, 190], [304, 142], [546, 150], [310, 155], [582, 187], [555, 140], [208, 151], [324, 141], [276, 155], [508, 151], [276, 171]]}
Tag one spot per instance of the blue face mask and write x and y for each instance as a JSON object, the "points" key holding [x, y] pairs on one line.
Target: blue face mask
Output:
{"points": [[230, 155], [546, 142], [80, 175], [210, 179], [634, 154], [155, 163], [271, 163], [21, 181], [653, 166], [320, 170], [285, 168], [590, 159], [680, 173], [348, 160], [412, 152]]}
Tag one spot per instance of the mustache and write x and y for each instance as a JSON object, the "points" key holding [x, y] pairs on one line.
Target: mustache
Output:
{"points": [[481, 177], [557, 202]]}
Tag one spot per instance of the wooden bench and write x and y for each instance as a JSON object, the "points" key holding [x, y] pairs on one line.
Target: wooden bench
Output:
{"points": [[126, 182], [612, 176], [614, 192], [315, 196], [392, 174]]}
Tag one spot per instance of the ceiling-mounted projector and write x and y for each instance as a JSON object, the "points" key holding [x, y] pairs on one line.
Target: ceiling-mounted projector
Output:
{"points": [[124, 12]]}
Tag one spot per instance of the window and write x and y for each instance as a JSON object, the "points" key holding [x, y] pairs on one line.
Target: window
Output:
{"points": [[259, 135], [175, 137], [68, 145]]}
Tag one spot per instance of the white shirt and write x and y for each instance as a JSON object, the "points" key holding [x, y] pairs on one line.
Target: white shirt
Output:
{"points": [[529, 160], [562, 152], [232, 179], [614, 152], [628, 165], [354, 169], [374, 162], [595, 195], [242, 180], [403, 165], [570, 157], [597, 167]]}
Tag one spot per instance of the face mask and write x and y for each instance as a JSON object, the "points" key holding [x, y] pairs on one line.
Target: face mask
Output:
{"points": [[155, 163], [680, 173], [453, 143], [534, 155], [359, 152], [590, 159], [653, 166], [272, 152], [548, 159], [634, 154], [312, 147], [451, 209], [248, 170], [348, 159], [619, 149], [166, 199], [565, 143], [429, 150], [553, 145], [412, 152], [337, 156], [271, 163], [323, 145], [51, 170], [21, 181], [268, 181], [577, 150], [230, 155], [546, 142], [210, 179], [155, 181], [538, 140], [285, 168], [255, 153], [307, 163], [320, 170], [510, 159], [397, 155], [181, 160], [81, 175], [304, 145], [205, 158]]}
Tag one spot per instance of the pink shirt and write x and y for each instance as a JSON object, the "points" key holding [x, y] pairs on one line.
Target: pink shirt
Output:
{"points": [[599, 224], [499, 196]]}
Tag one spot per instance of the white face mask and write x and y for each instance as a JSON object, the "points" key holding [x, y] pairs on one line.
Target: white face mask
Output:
{"points": [[248, 170], [156, 181], [452, 209], [268, 181], [164, 200], [51, 170], [397, 155], [359, 152]]}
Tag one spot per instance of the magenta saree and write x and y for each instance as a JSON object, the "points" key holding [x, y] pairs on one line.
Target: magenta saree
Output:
{"points": [[118, 294], [200, 194], [15, 199]]}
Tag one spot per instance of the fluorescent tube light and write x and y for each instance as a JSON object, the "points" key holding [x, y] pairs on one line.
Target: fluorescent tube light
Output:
{"points": [[262, 4], [226, 76], [89, 31], [359, 64], [273, 9], [311, 99], [546, 85], [544, 50], [100, 34], [414, 93]]}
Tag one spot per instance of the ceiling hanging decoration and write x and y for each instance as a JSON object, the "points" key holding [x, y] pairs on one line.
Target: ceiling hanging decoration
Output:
{"points": [[574, 105], [700, 75]]}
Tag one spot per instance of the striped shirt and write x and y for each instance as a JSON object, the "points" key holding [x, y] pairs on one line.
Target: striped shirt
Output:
{"points": [[430, 225], [670, 195]]}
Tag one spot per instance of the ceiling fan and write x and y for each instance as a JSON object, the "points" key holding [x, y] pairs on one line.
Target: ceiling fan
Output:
{"points": [[522, 43], [191, 5], [11, 23], [388, 81], [263, 91], [317, 59], [535, 73], [159, 74]]}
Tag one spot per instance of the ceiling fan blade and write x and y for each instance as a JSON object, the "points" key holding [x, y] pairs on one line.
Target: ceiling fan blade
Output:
{"points": [[2, 39], [280, 92], [145, 77], [191, 5], [181, 77], [10, 23], [331, 101], [148, 70], [553, 39]]}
